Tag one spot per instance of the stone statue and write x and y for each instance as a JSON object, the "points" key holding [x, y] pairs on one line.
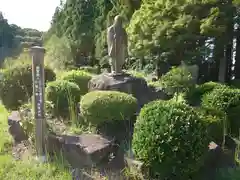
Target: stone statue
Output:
{"points": [[117, 45]]}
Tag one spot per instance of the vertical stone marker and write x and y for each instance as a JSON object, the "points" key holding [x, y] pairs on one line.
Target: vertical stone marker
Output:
{"points": [[38, 99]]}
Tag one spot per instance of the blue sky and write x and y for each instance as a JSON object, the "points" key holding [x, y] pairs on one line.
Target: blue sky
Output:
{"points": [[29, 13]]}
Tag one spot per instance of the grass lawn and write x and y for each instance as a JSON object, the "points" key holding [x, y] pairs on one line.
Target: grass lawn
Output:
{"points": [[11, 169]]}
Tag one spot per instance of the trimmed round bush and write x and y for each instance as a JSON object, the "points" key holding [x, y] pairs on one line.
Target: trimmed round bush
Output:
{"points": [[98, 107], [215, 121], [81, 78], [195, 95], [17, 86], [228, 101], [171, 139], [64, 96]]}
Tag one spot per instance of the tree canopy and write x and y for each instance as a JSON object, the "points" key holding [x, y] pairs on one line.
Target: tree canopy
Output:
{"points": [[162, 33]]}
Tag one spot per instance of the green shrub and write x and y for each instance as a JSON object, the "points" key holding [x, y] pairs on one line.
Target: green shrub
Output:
{"points": [[195, 95], [156, 84], [177, 80], [16, 85], [64, 96], [81, 78], [215, 121], [103, 106], [228, 101], [137, 74], [171, 139], [90, 69]]}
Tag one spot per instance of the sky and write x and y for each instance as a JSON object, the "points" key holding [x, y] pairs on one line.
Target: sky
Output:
{"points": [[36, 14]]}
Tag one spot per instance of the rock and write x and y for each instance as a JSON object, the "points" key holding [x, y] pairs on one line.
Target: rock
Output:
{"points": [[122, 82], [85, 150], [15, 129]]}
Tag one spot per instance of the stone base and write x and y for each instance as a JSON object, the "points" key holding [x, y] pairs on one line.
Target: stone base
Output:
{"points": [[121, 82], [85, 150]]}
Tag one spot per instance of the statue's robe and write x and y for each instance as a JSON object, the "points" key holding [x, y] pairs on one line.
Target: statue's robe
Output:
{"points": [[117, 47]]}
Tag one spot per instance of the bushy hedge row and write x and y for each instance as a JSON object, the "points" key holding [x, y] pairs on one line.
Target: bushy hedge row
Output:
{"points": [[16, 85]]}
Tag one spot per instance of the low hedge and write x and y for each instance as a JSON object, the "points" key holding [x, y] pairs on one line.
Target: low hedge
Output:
{"points": [[171, 139], [98, 107], [17, 86], [64, 96], [81, 78]]}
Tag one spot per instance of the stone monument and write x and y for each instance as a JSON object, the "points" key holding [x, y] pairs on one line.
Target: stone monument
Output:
{"points": [[117, 80], [117, 45]]}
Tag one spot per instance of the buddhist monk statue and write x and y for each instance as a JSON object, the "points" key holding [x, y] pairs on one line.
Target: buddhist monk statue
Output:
{"points": [[117, 45]]}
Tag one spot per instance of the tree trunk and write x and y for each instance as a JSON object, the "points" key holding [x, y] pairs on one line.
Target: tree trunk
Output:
{"points": [[218, 54], [237, 58], [229, 46]]}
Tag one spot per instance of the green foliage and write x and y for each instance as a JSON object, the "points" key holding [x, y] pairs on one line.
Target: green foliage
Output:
{"points": [[194, 96], [228, 101], [75, 20], [222, 99], [6, 34], [215, 121], [171, 139], [64, 96], [137, 74], [162, 28], [59, 55], [98, 107], [23, 58], [177, 80], [27, 120], [90, 69], [81, 78], [16, 85]]}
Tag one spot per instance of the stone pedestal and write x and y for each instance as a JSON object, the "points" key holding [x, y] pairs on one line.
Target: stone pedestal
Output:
{"points": [[86, 150], [121, 82]]}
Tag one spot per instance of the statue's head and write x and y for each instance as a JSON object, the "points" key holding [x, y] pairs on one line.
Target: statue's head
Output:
{"points": [[118, 20]]}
